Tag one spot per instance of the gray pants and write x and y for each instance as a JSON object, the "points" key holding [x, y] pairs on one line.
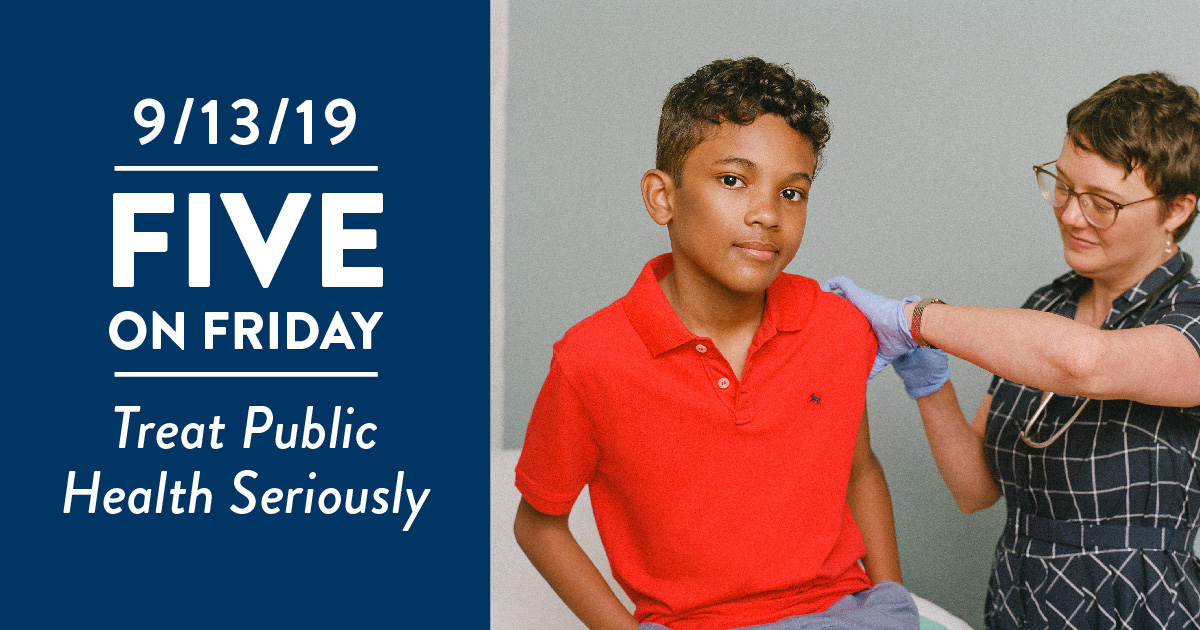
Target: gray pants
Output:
{"points": [[885, 606]]}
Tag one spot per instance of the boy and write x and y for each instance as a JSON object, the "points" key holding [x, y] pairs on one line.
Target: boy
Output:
{"points": [[717, 411]]}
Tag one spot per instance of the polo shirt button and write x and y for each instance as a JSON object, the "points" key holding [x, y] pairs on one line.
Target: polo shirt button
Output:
{"points": [[723, 383], [701, 348]]}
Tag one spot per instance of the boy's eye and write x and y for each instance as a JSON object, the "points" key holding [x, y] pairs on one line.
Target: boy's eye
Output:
{"points": [[732, 181], [791, 194]]}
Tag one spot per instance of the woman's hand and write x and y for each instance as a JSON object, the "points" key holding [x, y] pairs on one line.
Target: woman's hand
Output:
{"points": [[886, 316], [923, 370]]}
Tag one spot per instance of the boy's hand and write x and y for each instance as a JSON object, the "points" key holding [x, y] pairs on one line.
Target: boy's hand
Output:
{"points": [[886, 316], [923, 370]]}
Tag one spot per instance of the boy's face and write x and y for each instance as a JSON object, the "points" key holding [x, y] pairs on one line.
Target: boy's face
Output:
{"points": [[739, 216]]}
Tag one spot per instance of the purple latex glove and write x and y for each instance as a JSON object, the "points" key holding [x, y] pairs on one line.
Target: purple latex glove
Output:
{"points": [[923, 371], [886, 317]]}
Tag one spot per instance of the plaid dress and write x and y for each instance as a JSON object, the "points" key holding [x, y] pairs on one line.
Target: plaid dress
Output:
{"points": [[1101, 523]]}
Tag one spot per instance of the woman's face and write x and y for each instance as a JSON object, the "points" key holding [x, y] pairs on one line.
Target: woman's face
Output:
{"points": [[1128, 250]]}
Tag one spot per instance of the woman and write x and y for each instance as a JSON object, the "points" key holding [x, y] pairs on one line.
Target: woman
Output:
{"points": [[1102, 476]]}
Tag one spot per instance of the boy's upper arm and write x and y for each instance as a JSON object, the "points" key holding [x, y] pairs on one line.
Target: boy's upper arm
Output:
{"points": [[862, 446], [865, 465], [560, 454]]}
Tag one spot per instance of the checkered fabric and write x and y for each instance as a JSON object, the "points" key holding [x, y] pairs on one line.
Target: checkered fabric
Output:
{"points": [[1121, 466]]}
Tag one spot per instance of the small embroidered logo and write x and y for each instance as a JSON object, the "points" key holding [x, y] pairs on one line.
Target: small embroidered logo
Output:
{"points": [[813, 398]]}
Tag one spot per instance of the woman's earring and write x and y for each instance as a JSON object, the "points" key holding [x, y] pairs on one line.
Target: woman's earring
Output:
{"points": [[1168, 250]]}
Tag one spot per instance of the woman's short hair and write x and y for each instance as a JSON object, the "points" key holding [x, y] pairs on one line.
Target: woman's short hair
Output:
{"points": [[1146, 121]]}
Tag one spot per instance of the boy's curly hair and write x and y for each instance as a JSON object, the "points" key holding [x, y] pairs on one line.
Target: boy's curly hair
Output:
{"points": [[737, 91]]}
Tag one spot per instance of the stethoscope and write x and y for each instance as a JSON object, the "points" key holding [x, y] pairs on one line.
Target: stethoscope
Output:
{"points": [[1145, 305]]}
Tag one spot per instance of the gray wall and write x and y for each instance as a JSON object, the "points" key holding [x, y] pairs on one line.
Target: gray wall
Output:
{"points": [[939, 109]]}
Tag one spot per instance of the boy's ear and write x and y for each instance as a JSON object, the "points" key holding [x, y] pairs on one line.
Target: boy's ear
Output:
{"points": [[657, 193]]}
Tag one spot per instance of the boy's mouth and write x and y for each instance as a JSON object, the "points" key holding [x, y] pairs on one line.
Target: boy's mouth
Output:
{"points": [[757, 249]]}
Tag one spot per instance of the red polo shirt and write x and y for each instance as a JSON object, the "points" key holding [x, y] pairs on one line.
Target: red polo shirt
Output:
{"points": [[720, 503]]}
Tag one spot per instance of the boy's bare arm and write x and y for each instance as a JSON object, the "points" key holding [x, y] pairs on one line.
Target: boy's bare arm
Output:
{"points": [[548, 543], [871, 504]]}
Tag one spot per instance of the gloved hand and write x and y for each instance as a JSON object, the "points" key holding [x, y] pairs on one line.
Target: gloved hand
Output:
{"points": [[923, 370], [886, 317]]}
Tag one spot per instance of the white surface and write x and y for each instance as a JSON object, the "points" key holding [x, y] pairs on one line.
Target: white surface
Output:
{"points": [[933, 612]]}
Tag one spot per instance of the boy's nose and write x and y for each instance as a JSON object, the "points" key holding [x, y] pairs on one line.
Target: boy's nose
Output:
{"points": [[763, 212]]}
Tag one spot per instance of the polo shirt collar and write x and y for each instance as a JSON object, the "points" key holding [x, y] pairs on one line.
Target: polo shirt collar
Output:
{"points": [[788, 304]]}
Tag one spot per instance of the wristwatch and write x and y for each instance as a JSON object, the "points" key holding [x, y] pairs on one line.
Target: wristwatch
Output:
{"points": [[915, 330]]}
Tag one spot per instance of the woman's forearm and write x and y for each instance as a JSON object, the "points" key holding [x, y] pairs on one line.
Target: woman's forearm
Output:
{"points": [[1039, 349], [1153, 364]]}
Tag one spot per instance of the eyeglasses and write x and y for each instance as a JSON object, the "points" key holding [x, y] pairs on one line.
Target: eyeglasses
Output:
{"points": [[1100, 211]]}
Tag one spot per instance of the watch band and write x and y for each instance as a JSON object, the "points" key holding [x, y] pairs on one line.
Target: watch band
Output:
{"points": [[915, 330]]}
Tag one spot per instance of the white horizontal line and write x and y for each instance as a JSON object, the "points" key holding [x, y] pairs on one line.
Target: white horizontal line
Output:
{"points": [[245, 374], [245, 168]]}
